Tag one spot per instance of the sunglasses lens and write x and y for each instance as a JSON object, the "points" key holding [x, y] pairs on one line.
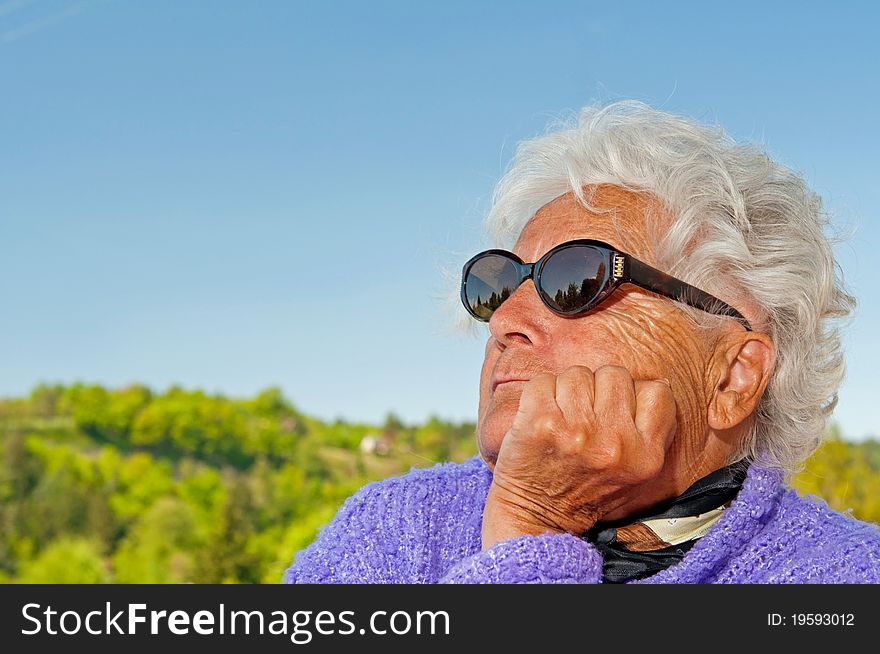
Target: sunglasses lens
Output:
{"points": [[489, 281], [573, 277]]}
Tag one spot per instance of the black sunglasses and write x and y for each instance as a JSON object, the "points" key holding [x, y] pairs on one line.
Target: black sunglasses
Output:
{"points": [[573, 278]]}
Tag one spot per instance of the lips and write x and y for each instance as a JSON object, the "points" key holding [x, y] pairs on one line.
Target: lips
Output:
{"points": [[503, 380]]}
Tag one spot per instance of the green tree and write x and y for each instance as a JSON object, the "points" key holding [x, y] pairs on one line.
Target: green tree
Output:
{"points": [[107, 416], [161, 547], [67, 561], [226, 558], [840, 473]]}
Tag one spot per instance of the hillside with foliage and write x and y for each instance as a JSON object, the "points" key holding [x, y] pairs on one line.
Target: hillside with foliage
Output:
{"points": [[131, 486]]}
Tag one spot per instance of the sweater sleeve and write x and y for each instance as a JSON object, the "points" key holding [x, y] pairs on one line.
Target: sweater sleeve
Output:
{"points": [[548, 558], [854, 559], [366, 542], [424, 527]]}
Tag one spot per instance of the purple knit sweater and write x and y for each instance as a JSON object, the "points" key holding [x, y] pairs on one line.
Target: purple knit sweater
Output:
{"points": [[424, 527]]}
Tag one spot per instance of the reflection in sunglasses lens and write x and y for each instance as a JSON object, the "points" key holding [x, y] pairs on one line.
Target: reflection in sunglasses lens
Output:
{"points": [[489, 282], [571, 278]]}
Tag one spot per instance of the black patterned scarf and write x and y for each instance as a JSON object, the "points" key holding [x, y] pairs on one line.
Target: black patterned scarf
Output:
{"points": [[642, 545]]}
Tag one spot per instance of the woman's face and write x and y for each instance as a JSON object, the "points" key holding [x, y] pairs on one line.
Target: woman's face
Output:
{"points": [[645, 333]]}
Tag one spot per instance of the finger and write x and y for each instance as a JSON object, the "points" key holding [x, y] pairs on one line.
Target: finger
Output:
{"points": [[575, 395], [615, 394], [537, 403], [656, 412]]}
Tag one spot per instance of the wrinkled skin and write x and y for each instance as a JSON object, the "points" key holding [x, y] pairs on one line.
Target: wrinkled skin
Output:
{"points": [[620, 408]]}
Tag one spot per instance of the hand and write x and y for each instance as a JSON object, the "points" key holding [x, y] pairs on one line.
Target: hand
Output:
{"points": [[581, 445]]}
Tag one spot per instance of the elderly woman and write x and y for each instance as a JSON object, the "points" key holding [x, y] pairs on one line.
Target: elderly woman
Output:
{"points": [[662, 354]]}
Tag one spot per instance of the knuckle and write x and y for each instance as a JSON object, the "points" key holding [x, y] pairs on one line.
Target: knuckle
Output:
{"points": [[655, 394], [579, 376], [613, 371], [661, 391], [654, 461], [545, 424], [649, 401], [579, 439], [613, 379], [607, 455]]}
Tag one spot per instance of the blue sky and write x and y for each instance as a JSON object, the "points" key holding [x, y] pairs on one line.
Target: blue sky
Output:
{"points": [[232, 195]]}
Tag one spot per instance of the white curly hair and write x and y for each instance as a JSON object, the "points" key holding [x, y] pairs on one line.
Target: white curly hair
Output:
{"points": [[744, 221]]}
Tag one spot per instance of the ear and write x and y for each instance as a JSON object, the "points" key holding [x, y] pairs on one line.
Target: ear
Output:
{"points": [[740, 371]]}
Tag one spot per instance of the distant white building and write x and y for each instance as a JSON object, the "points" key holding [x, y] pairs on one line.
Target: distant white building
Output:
{"points": [[375, 443]]}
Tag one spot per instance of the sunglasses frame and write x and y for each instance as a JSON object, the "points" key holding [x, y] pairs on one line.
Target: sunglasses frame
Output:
{"points": [[621, 268]]}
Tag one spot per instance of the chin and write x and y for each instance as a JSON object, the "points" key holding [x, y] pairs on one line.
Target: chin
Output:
{"points": [[489, 457], [489, 439]]}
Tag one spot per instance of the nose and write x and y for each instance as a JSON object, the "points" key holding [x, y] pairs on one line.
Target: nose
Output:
{"points": [[520, 317]]}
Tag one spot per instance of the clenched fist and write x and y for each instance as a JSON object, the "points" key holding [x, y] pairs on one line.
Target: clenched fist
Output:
{"points": [[581, 445]]}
